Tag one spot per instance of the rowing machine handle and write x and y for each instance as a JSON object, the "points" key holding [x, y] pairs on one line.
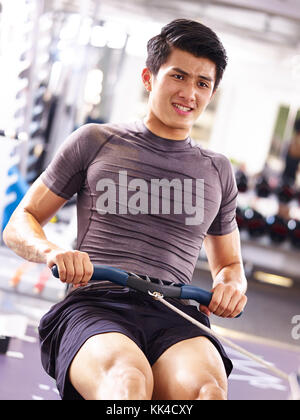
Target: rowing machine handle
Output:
{"points": [[120, 277], [200, 295], [195, 293]]}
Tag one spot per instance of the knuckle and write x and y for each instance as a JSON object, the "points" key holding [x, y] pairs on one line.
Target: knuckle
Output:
{"points": [[230, 310], [59, 257], [242, 303], [62, 273], [216, 311], [231, 289], [77, 278], [70, 275], [220, 287], [213, 306], [236, 294]]}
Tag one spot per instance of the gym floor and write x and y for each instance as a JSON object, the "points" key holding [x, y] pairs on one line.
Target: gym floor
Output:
{"points": [[264, 329]]}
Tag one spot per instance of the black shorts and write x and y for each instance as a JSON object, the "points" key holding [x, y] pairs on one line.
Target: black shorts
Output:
{"points": [[96, 309]]}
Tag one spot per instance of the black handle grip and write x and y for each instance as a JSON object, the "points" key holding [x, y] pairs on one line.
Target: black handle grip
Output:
{"points": [[121, 277]]}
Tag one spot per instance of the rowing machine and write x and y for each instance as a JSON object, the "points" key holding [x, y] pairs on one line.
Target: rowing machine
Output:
{"points": [[132, 280]]}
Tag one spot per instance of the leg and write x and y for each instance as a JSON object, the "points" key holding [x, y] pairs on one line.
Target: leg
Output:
{"points": [[190, 370], [110, 366]]}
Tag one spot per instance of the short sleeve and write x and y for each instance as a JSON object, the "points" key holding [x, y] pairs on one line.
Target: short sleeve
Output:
{"points": [[65, 175], [225, 221]]}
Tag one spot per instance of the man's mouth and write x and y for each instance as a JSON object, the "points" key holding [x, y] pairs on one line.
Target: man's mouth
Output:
{"points": [[182, 109]]}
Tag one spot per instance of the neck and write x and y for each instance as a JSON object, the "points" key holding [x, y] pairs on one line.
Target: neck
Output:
{"points": [[160, 129]]}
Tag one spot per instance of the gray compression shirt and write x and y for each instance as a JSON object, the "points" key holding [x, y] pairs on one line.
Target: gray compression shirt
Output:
{"points": [[144, 203]]}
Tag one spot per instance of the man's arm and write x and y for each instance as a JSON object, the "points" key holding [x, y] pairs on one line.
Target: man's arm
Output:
{"points": [[229, 281], [25, 236]]}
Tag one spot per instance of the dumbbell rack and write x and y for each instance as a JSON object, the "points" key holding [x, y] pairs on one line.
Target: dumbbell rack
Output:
{"points": [[260, 255], [9, 157]]}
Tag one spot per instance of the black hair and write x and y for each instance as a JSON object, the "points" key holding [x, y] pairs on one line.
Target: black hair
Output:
{"points": [[190, 36]]}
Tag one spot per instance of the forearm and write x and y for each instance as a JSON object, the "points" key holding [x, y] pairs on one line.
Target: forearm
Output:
{"points": [[234, 275], [25, 236]]}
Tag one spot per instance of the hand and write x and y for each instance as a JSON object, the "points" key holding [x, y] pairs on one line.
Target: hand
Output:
{"points": [[226, 302], [74, 267]]}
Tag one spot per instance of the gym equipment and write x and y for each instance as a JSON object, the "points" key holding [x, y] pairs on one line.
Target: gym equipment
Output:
{"points": [[293, 379], [262, 187], [297, 196], [18, 190], [12, 187], [255, 223], [123, 278], [285, 192], [11, 326], [294, 233], [42, 281], [241, 181], [20, 271], [240, 219], [4, 344], [277, 229]]}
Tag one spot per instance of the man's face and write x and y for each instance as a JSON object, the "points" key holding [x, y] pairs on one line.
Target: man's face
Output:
{"points": [[179, 93]]}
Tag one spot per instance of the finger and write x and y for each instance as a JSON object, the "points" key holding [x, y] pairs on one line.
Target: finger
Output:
{"points": [[78, 268], [205, 310], [70, 269], [239, 307], [88, 269], [232, 304], [223, 305], [216, 299], [76, 286], [61, 267]]}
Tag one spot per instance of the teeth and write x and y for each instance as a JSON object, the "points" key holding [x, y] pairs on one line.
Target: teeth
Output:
{"points": [[182, 108]]}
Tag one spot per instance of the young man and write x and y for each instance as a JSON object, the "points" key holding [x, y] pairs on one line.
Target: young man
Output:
{"points": [[107, 342]]}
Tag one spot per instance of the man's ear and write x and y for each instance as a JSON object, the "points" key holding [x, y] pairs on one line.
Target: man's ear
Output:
{"points": [[147, 79]]}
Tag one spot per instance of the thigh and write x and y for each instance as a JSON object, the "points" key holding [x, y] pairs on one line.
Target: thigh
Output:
{"points": [[102, 354], [186, 367]]}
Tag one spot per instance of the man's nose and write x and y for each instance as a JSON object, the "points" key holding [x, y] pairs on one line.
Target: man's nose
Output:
{"points": [[188, 92]]}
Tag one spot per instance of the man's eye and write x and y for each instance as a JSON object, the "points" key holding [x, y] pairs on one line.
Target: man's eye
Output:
{"points": [[178, 76], [203, 84]]}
